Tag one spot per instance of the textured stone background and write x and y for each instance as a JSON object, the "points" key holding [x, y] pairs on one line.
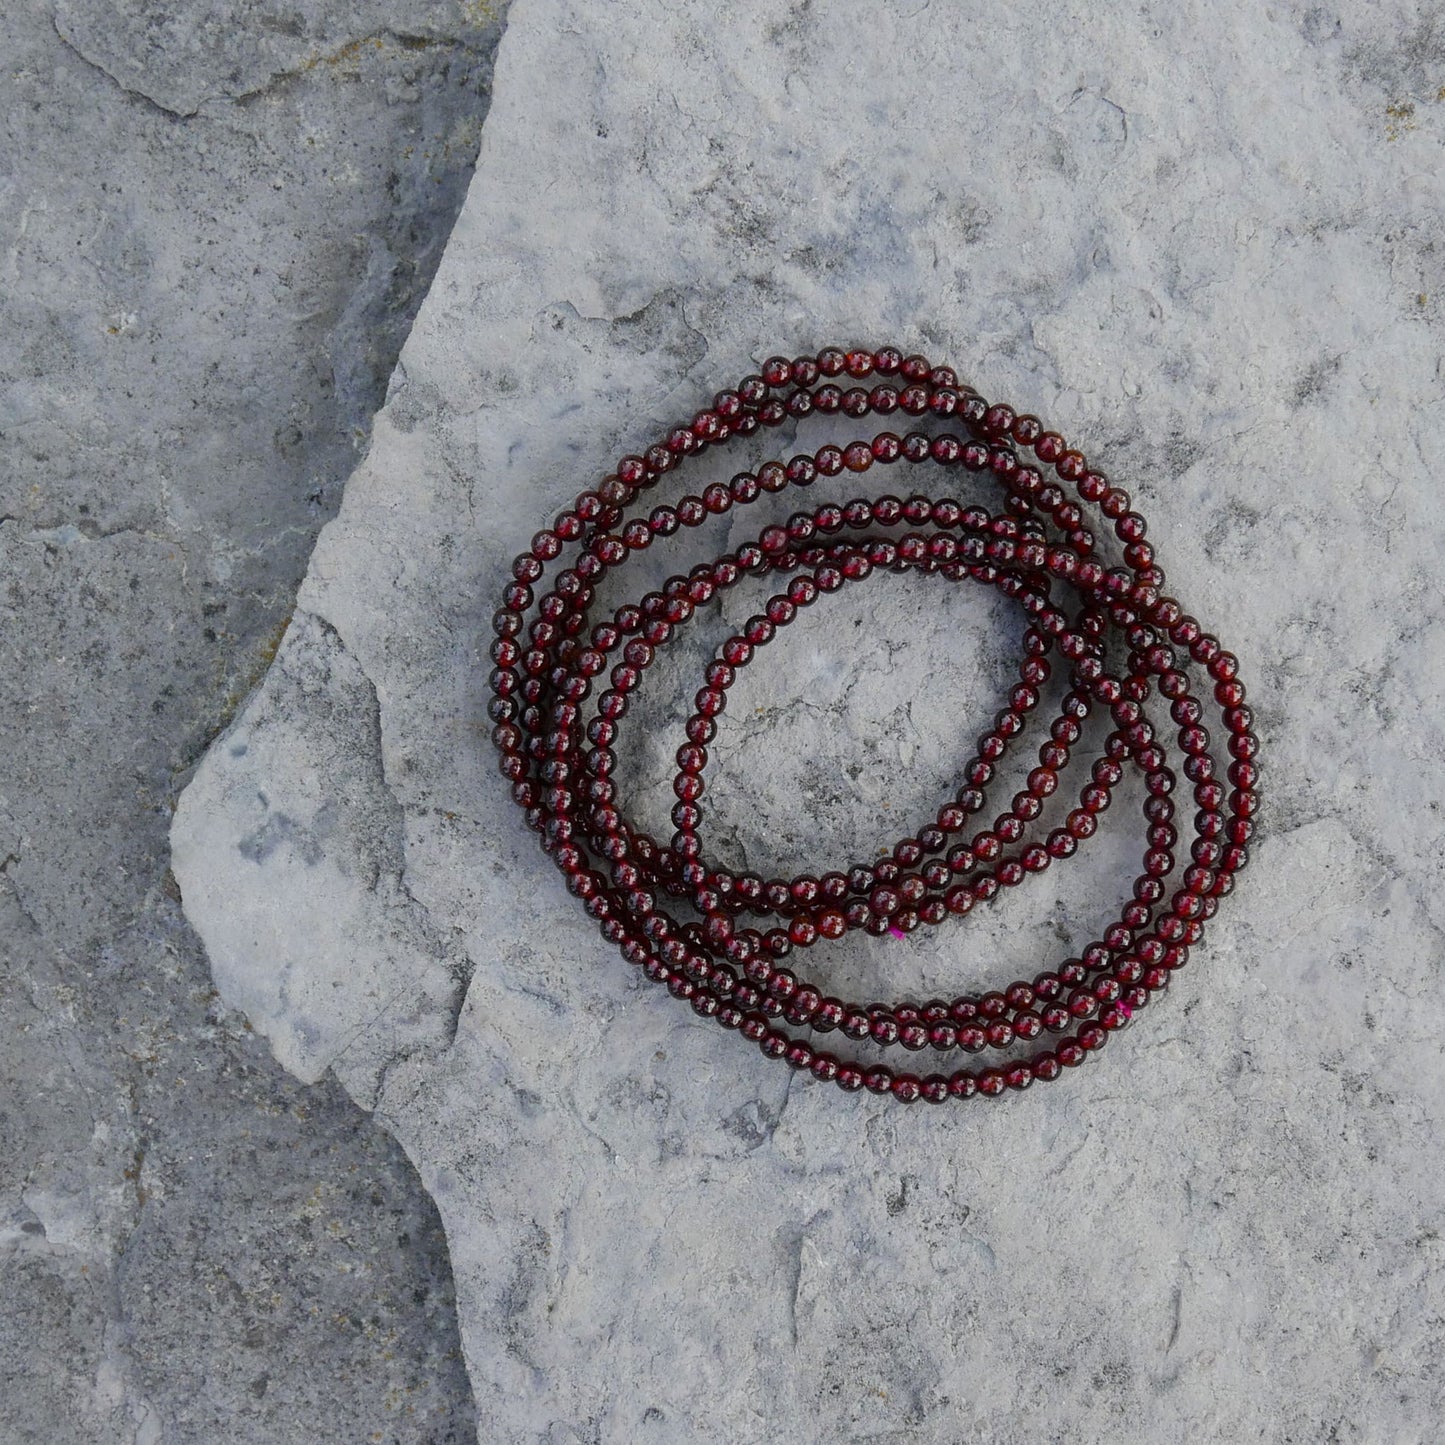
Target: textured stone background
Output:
{"points": [[1205, 241], [217, 220]]}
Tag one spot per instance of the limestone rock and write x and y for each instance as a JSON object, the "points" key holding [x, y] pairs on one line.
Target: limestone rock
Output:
{"points": [[1200, 243], [216, 223]]}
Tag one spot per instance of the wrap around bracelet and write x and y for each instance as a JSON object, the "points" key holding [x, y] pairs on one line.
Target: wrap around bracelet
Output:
{"points": [[1111, 631]]}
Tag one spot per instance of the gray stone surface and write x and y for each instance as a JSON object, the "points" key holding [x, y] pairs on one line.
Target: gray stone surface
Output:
{"points": [[217, 222], [1202, 240]]}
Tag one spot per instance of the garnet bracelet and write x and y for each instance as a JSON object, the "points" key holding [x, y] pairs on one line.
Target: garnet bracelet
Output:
{"points": [[1115, 636]]}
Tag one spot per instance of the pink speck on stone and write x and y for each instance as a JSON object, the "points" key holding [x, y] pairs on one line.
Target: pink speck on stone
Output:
{"points": [[895, 930]]}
